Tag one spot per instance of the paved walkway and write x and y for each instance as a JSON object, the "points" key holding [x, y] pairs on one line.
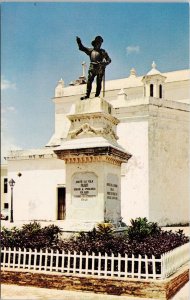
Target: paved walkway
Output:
{"points": [[33, 293]]}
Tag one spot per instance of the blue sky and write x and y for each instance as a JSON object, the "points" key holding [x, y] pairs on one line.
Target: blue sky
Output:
{"points": [[38, 47]]}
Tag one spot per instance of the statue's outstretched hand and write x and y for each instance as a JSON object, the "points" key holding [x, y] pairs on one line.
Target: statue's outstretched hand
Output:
{"points": [[78, 40]]}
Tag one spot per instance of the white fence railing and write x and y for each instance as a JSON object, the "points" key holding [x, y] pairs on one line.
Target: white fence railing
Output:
{"points": [[101, 265], [175, 258]]}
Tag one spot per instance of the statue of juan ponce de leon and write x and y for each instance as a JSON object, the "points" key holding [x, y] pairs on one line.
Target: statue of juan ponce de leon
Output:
{"points": [[99, 59], [91, 153]]}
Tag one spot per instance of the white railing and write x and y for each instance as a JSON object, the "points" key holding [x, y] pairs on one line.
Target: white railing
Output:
{"points": [[175, 258], [101, 265]]}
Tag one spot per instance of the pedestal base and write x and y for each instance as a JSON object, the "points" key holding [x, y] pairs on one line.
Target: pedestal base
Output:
{"points": [[93, 165]]}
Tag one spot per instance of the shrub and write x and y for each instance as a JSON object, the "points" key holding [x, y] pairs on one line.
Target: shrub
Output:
{"points": [[140, 229], [100, 239], [142, 237], [32, 236]]}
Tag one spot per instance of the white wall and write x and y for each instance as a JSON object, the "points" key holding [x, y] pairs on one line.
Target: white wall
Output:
{"points": [[177, 91], [35, 192], [169, 167], [134, 181]]}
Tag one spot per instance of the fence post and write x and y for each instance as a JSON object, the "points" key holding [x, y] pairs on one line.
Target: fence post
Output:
{"points": [[154, 267], [40, 261], [68, 261], [24, 259], [133, 266], [35, 259], [93, 262], [119, 264], [126, 265], [99, 263], [112, 264], [86, 263], [162, 267], [19, 256], [139, 266], [146, 266], [57, 261], [74, 262], [80, 263], [106, 264], [9, 257], [3, 251], [29, 258], [14, 256], [63, 261]]}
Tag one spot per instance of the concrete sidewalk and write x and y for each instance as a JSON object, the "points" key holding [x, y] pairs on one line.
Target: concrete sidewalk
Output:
{"points": [[33, 293]]}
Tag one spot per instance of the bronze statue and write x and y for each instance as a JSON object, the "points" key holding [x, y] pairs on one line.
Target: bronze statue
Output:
{"points": [[99, 59]]}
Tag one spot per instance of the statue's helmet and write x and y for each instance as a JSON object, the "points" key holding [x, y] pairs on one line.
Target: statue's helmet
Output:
{"points": [[97, 40]]}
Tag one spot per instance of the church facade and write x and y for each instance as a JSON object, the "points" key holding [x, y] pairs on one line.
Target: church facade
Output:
{"points": [[153, 111]]}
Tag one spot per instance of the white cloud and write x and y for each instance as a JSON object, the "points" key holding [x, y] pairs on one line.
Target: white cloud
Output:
{"points": [[6, 84], [11, 108], [132, 49], [7, 109]]}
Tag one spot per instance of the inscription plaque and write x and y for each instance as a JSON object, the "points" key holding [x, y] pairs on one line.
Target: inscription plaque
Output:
{"points": [[84, 186], [112, 187]]}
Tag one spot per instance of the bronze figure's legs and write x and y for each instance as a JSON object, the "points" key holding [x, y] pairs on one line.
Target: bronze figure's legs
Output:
{"points": [[98, 72], [99, 84], [91, 75]]}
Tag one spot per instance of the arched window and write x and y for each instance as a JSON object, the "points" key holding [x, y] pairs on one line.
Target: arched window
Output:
{"points": [[151, 90], [160, 91]]}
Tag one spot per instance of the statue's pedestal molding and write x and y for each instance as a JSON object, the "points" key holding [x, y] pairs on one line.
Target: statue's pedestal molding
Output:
{"points": [[93, 164]]}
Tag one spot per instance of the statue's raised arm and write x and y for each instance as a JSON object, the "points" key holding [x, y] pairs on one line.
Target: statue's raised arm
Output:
{"points": [[78, 41], [99, 59], [82, 47]]}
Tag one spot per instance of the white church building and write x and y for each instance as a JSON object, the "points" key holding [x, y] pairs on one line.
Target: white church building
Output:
{"points": [[153, 111]]}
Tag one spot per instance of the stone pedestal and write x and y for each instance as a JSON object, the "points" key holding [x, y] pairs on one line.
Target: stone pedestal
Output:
{"points": [[93, 164]]}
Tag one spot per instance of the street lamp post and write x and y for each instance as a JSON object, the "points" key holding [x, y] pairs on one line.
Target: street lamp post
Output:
{"points": [[11, 183]]}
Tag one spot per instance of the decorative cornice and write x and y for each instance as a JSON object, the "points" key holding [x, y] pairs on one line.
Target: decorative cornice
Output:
{"points": [[90, 159], [94, 115], [96, 154]]}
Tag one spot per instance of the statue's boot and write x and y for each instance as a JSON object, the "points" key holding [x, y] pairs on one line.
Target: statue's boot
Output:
{"points": [[98, 89], [84, 98], [88, 91]]}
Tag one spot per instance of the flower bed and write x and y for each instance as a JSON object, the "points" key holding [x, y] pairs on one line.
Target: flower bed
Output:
{"points": [[141, 238], [139, 250]]}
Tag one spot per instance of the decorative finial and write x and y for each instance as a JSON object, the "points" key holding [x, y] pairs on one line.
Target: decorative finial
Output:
{"points": [[133, 72], [59, 90], [61, 81], [153, 65], [83, 69], [122, 95]]}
